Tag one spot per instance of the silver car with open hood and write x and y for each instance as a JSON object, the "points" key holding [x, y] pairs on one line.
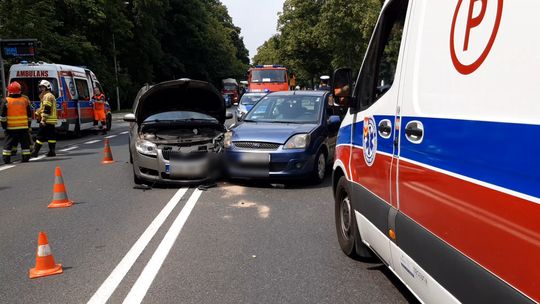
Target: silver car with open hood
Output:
{"points": [[176, 132]]}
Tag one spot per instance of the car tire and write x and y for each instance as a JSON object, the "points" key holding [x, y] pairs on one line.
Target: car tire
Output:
{"points": [[349, 237], [136, 180], [319, 168]]}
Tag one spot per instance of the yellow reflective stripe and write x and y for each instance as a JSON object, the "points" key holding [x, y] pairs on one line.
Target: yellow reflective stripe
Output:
{"points": [[17, 117], [3, 119], [27, 153], [39, 142], [6, 152], [17, 128], [51, 141]]}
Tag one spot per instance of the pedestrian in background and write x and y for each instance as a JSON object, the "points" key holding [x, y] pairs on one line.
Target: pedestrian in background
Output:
{"points": [[99, 110], [46, 115], [15, 116]]}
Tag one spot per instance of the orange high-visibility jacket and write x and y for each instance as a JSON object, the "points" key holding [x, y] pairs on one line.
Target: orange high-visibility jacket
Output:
{"points": [[16, 112]]}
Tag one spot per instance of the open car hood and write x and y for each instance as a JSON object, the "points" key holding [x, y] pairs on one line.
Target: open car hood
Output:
{"points": [[181, 95]]}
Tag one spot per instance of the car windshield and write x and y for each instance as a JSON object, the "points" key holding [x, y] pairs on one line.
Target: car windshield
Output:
{"points": [[250, 99], [268, 76], [229, 86], [179, 116], [287, 109]]}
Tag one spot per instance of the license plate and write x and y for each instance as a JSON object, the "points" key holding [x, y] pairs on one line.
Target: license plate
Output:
{"points": [[255, 158]]}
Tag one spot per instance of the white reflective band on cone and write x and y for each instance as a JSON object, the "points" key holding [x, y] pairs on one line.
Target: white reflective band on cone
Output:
{"points": [[44, 250]]}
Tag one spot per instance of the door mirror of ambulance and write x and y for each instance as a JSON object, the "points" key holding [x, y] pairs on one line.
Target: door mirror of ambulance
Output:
{"points": [[129, 117], [334, 122]]}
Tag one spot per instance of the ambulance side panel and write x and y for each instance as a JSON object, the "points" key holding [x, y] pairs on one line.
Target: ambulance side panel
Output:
{"points": [[469, 186]]}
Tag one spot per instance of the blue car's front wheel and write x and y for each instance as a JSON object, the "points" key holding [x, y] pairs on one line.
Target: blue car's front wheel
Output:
{"points": [[319, 167]]}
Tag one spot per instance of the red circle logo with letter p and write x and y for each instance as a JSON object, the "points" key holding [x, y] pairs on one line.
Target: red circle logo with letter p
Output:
{"points": [[474, 29]]}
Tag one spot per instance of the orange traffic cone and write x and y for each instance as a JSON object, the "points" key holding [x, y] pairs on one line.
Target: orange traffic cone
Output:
{"points": [[107, 157], [45, 265], [60, 199]]}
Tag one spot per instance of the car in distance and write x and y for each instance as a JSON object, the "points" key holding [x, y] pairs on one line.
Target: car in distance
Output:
{"points": [[287, 135], [247, 102], [176, 132]]}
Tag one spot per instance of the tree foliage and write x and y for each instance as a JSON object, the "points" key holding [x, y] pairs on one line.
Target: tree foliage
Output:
{"points": [[317, 36], [156, 40]]}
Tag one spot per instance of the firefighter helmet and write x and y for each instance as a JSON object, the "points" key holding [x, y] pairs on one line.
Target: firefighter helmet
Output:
{"points": [[46, 84], [14, 88]]}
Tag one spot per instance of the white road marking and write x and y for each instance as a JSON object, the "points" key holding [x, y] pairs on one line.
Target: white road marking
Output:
{"points": [[6, 167], [117, 275], [141, 286], [111, 136], [92, 141], [125, 132], [69, 149], [38, 158]]}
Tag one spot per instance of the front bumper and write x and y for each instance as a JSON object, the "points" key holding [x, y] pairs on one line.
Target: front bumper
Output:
{"points": [[283, 164], [175, 171]]}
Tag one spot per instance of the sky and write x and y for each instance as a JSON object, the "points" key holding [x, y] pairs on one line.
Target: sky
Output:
{"points": [[256, 18]]}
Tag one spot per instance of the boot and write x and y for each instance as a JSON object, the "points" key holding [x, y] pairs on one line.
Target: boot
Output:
{"points": [[51, 152], [7, 159], [35, 152]]}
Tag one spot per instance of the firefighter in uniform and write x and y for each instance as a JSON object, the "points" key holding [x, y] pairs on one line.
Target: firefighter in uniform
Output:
{"points": [[15, 116], [99, 110], [46, 115]]}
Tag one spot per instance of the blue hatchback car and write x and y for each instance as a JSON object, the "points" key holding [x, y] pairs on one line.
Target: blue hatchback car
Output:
{"points": [[285, 135]]}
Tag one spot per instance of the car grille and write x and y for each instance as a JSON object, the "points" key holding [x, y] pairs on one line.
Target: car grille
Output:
{"points": [[249, 145]]}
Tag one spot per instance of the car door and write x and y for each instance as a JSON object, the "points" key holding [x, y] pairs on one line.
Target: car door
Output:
{"points": [[374, 117], [86, 112]]}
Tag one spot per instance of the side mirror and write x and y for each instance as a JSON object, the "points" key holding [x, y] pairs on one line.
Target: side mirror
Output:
{"points": [[130, 117], [228, 115], [342, 86], [334, 122]]}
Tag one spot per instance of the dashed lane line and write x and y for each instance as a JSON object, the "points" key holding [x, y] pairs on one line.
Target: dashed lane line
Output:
{"points": [[5, 167], [69, 149], [125, 132], [92, 141], [141, 286], [111, 136], [117, 275], [38, 158]]}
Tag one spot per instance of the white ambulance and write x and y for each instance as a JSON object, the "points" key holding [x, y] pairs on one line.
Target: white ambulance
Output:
{"points": [[73, 86], [436, 171]]}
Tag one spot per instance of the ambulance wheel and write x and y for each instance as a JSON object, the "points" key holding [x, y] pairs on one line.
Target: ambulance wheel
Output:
{"points": [[77, 131], [109, 122], [349, 237]]}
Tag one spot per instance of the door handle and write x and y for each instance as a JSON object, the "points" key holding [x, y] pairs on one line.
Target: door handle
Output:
{"points": [[414, 131]]}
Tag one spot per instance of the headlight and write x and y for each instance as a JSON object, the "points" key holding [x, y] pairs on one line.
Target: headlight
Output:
{"points": [[298, 141], [227, 140], [146, 147]]}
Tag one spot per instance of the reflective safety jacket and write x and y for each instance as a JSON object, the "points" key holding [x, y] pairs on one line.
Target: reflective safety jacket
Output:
{"points": [[16, 112], [47, 109]]}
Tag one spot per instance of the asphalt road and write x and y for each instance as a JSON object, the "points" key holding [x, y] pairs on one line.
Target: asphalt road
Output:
{"points": [[234, 243]]}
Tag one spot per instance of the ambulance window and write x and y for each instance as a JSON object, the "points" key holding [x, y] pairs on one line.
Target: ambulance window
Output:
{"points": [[82, 89], [378, 71], [29, 87]]}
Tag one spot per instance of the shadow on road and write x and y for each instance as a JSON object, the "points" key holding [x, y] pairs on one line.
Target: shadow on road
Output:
{"points": [[392, 278]]}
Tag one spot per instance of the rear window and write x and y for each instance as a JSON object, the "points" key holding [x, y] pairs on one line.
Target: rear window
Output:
{"points": [[29, 86]]}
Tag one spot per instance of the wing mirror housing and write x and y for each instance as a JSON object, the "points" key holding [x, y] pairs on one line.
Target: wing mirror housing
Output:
{"points": [[334, 122], [342, 86], [130, 117]]}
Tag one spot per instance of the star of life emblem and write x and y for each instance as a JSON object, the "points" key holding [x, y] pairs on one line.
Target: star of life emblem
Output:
{"points": [[369, 142]]}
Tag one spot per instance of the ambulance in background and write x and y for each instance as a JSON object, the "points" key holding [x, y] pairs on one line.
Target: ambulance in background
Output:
{"points": [[268, 78], [436, 169], [73, 87]]}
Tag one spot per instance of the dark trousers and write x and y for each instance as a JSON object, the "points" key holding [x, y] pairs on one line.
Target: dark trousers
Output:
{"points": [[46, 132], [13, 138]]}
